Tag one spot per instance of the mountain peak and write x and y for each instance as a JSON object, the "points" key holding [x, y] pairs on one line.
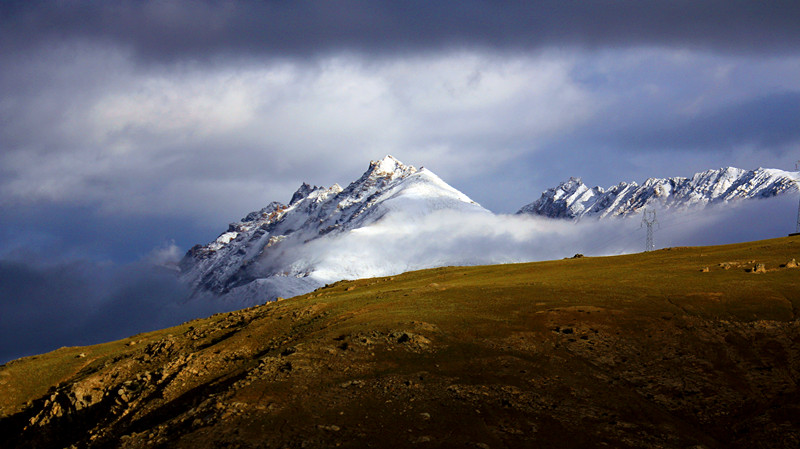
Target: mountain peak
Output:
{"points": [[389, 166], [302, 192], [571, 185], [260, 259], [561, 201]]}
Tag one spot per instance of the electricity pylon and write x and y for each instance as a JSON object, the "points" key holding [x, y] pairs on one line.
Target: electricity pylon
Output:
{"points": [[649, 219], [797, 226]]}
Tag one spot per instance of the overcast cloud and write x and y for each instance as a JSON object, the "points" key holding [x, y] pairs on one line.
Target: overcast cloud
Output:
{"points": [[127, 125], [166, 30]]}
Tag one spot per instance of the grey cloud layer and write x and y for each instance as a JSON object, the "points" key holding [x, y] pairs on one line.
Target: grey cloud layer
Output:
{"points": [[165, 30], [149, 141], [769, 121], [225, 126]]}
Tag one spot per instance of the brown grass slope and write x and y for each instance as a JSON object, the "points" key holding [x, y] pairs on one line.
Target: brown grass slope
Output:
{"points": [[643, 350]]}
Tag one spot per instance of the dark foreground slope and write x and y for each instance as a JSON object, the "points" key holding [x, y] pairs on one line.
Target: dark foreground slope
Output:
{"points": [[645, 350]]}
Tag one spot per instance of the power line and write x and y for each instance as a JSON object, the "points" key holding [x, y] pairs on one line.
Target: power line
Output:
{"points": [[649, 219]]}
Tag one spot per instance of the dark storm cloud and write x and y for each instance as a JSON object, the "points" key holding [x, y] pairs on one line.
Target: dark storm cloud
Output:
{"points": [[60, 233], [166, 30], [49, 305]]}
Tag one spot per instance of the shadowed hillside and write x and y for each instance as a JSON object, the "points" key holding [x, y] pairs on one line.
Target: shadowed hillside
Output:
{"points": [[681, 347]]}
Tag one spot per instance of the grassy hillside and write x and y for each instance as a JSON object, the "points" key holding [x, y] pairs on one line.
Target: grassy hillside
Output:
{"points": [[643, 350]]}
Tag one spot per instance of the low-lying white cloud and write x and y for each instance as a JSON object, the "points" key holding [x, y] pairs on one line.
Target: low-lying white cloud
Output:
{"points": [[401, 242]]}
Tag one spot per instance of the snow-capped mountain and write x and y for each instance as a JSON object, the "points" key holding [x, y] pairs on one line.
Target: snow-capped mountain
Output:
{"points": [[260, 257], [397, 218], [574, 199]]}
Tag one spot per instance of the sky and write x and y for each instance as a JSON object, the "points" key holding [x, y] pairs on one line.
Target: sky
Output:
{"points": [[133, 130]]}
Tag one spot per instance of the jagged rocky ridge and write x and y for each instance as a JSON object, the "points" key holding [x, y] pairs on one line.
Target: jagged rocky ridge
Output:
{"points": [[255, 259], [573, 199]]}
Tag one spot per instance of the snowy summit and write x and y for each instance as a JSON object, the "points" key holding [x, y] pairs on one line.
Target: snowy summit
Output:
{"points": [[257, 258]]}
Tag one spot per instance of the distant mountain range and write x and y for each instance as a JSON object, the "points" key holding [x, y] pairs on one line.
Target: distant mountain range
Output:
{"points": [[574, 199], [270, 253]]}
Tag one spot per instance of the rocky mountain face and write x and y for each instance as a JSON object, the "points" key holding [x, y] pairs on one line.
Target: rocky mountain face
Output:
{"points": [[256, 258], [574, 199]]}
